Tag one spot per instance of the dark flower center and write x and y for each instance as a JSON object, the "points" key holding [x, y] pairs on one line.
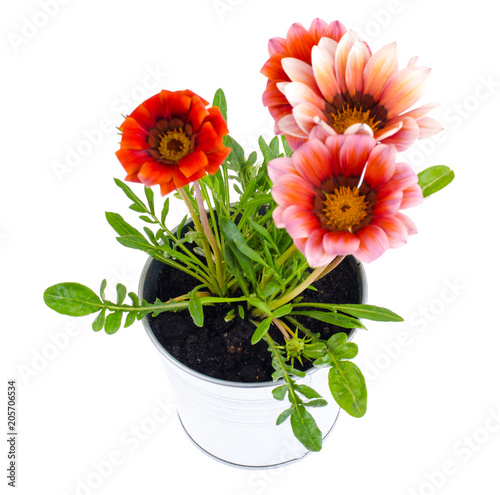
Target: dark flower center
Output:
{"points": [[341, 205], [169, 141], [343, 115], [174, 145]]}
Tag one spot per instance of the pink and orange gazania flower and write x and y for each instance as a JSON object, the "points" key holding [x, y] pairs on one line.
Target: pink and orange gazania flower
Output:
{"points": [[297, 44], [343, 196], [344, 85], [172, 139]]}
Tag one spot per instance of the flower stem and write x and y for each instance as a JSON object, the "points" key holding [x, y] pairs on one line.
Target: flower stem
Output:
{"points": [[199, 228], [315, 275], [209, 234]]}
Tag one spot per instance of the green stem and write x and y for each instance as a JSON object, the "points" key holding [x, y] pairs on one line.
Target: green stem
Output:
{"points": [[286, 255], [299, 289]]}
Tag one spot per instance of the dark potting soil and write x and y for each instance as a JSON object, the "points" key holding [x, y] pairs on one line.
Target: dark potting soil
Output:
{"points": [[223, 349]]}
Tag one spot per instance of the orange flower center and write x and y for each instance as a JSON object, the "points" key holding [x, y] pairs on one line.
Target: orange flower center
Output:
{"points": [[174, 145], [341, 119], [345, 208]]}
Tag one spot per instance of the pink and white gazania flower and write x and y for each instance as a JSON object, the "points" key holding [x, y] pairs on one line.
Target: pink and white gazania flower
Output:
{"points": [[343, 196], [345, 85], [297, 45]]}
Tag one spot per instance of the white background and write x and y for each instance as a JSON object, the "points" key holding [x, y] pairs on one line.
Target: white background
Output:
{"points": [[433, 421]]}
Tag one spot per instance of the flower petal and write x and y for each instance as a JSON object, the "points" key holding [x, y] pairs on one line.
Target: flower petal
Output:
{"points": [[315, 253], [379, 69], [299, 71], [341, 56], [412, 196], [381, 165], [292, 189], [373, 243], [289, 125], [406, 136], [354, 154], [299, 222], [312, 161], [340, 242], [428, 127], [324, 72], [395, 230], [280, 166], [404, 89], [299, 42], [305, 115], [193, 163], [297, 93], [355, 65]]}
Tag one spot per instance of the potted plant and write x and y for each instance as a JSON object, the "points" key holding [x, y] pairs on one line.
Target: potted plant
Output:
{"points": [[253, 300]]}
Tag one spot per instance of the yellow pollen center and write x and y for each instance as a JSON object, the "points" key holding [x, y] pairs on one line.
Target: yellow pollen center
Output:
{"points": [[347, 116], [174, 145], [345, 208]]}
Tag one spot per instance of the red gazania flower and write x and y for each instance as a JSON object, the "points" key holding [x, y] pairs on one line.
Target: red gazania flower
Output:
{"points": [[343, 197], [298, 44], [172, 139], [345, 85]]}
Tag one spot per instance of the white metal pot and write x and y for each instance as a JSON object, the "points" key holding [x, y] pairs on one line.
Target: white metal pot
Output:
{"points": [[236, 422]]}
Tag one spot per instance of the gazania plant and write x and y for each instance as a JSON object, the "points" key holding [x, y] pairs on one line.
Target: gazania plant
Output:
{"points": [[263, 230]]}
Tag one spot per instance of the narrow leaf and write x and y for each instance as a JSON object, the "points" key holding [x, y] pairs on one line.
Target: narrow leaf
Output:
{"points": [[220, 102], [195, 308], [261, 329], [130, 194], [130, 319], [284, 415], [370, 312], [120, 226], [307, 392], [164, 211]]}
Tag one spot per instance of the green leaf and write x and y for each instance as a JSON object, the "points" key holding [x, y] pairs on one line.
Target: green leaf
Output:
{"points": [[316, 403], [314, 351], [237, 155], [103, 288], [164, 211], [130, 319], [284, 415], [260, 305], [282, 311], [286, 146], [433, 179], [231, 232], [261, 329], [113, 322], [120, 226], [369, 312], [130, 194], [195, 308], [135, 242], [98, 323], [346, 351], [151, 199], [279, 393], [305, 429], [220, 102], [336, 340], [348, 388], [332, 318], [307, 392], [72, 299], [121, 292]]}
